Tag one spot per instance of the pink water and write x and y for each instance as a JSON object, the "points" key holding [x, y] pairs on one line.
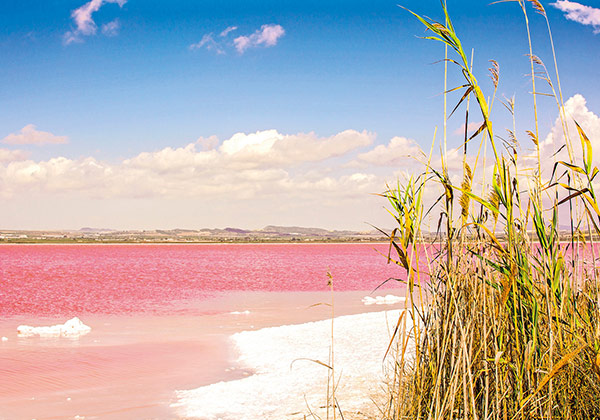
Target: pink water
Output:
{"points": [[112, 279], [160, 317]]}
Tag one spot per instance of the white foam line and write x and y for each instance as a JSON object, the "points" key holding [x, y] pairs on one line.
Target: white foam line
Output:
{"points": [[72, 328], [383, 300], [246, 312], [285, 381]]}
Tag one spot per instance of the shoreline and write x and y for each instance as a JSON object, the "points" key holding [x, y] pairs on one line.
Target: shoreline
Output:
{"points": [[288, 380], [242, 242], [120, 347], [203, 243]]}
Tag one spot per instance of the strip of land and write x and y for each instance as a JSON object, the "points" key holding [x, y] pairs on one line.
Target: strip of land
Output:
{"points": [[206, 235]]}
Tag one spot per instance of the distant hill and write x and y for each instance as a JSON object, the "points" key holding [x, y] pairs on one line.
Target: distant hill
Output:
{"points": [[236, 230], [270, 233], [94, 230], [295, 230]]}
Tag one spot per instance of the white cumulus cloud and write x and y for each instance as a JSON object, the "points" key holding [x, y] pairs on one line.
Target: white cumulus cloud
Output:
{"points": [[577, 12], [575, 110], [7, 155], [268, 148], [267, 35], [249, 165], [30, 135], [398, 152], [471, 127], [85, 24]]}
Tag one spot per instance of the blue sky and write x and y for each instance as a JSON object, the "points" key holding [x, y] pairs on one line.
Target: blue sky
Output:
{"points": [[128, 81]]}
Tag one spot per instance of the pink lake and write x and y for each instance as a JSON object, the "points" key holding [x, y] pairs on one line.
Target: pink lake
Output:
{"points": [[47, 280], [160, 315]]}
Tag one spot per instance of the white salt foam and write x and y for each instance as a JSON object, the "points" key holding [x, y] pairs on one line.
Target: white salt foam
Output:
{"points": [[246, 312], [72, 328], [383, 300], [286, 382]]}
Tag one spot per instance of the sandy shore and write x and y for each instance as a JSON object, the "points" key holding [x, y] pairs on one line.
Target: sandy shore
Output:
{"points": [[131, 366]]}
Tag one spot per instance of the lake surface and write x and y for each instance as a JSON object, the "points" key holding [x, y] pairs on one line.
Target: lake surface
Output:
{"points": [[120, 279], [161, 317]]}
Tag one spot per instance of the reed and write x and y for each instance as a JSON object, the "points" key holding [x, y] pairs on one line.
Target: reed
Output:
{"points": [[505, 316]]}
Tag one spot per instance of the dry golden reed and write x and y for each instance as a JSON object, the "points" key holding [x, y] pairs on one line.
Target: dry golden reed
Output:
{"points": [[506, 323]]}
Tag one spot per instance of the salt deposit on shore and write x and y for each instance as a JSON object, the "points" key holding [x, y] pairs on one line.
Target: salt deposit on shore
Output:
{"points": [[72, 328], [286, 383], [383, 300]]}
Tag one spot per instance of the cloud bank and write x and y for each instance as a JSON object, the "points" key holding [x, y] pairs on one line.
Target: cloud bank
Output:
{"points": [[248, 179], [577, 12], [248, 165], [7, 155]]}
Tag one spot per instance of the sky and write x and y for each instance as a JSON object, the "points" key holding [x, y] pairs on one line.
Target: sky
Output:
{"points": [[132, 114]]}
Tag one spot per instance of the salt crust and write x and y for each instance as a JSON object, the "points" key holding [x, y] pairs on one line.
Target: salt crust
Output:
{"points": [[383, 300], [72, 328], [285, 382]]}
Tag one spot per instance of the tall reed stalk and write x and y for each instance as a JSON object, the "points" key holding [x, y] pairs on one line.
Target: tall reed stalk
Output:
{"points": [[504, 324]]}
